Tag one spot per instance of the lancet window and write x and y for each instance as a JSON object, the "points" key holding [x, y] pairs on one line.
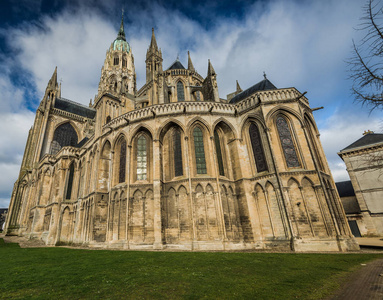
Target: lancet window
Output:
{"points": [[256, 144], [219, 153], [124, 62], [142, 158], [115, 61], [177, 149], [122, 164], [70, 182], [198, 96], [287, 143], [180, 91], [199, 151], [64, 135]]}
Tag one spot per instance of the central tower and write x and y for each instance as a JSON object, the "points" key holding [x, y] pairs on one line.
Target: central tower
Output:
{"points": [[118, 76]]}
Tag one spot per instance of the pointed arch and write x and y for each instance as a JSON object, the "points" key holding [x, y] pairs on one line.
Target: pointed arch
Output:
{"points": [[282, 109], [198, 121], [182, 188], [139, 129], [227, 128], [199, 188], [209, 188], [64, 135], [166, 126]]}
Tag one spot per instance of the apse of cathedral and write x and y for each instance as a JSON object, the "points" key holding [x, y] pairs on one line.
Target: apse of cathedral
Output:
{"points": [[174, 166]]}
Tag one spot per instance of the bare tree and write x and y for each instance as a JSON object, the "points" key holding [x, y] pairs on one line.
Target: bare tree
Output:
{"points": [[366, 63]]}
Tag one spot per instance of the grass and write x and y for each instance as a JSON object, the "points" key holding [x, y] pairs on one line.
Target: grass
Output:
{"points": [[45, 273]]}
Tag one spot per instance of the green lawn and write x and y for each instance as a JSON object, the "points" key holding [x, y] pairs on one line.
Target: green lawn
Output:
{"points": [[47, 273]]}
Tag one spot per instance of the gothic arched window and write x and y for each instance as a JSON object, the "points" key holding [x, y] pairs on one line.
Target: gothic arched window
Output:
{"points": [[65, 135], [256, 144], [122, 163], [108, 119], [287, 143], [116, 61], [70, 182], [141, 158], [219, 153], [180, 91], [199, 151], [177, 149], [124, 62]]}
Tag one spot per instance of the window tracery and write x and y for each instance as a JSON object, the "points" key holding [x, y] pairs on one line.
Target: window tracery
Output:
{"points": [[199, 151], [180, 91], [256, 145], [177, 149], [65, 135], [287, 143], [141, 158]]}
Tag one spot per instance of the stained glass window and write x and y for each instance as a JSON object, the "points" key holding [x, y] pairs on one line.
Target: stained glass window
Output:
{"points": [[180, 91], [256, 144], [70, 182], [177, 148], [287, 143], [141, 158], [121, 173], [199, 151], [219, 153], [64, 135]]}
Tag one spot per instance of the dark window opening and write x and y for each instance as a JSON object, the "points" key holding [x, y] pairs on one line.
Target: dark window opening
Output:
{"points": [[121, 175], [219, 153], [256, 144], [178, 170], [65, 135], [70, 182], [199, 151]]}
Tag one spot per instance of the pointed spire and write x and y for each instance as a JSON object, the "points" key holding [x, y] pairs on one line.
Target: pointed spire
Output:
{"points": [[53, 80], [121, 32], [210, 69], [238, 87], [190, 64], [153, 42]]}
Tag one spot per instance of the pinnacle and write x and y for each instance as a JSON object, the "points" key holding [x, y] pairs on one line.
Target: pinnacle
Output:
{"points": [[210, 69], [121, 32], [190, 63], [153, 42]]}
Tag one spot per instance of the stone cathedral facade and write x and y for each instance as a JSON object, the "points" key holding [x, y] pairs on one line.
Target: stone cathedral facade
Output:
{"points": [[171, 165]]}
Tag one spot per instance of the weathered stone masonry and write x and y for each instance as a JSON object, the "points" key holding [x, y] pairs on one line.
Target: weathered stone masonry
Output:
{"points": [[174, 166]]}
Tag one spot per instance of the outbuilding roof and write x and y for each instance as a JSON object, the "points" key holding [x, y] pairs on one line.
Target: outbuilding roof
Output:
{"points": [[263, 85], [368, 139], [345, 188]]}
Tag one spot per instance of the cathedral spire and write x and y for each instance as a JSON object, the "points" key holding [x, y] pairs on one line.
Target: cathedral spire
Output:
{"points": [[153, 42], [190, 64], [210, 69], [121, 32]]}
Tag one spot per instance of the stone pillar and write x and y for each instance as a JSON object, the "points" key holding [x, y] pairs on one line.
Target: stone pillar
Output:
{"points": [[157, 195]]}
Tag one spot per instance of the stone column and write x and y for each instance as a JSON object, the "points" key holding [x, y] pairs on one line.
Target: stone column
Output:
{"points": [[157, 195]]}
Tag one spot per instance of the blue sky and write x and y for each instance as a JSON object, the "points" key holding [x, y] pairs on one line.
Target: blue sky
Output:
{"points": [[297, 43]]}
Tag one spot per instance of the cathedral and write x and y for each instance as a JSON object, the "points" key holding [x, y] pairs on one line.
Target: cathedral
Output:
{"points": [[171, 165]]}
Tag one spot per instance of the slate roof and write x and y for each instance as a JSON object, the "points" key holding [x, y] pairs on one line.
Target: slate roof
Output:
{"points": [[368, 139], [82, 142], [75, 108], [176, 66], [263, 85], [345, 188]]}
